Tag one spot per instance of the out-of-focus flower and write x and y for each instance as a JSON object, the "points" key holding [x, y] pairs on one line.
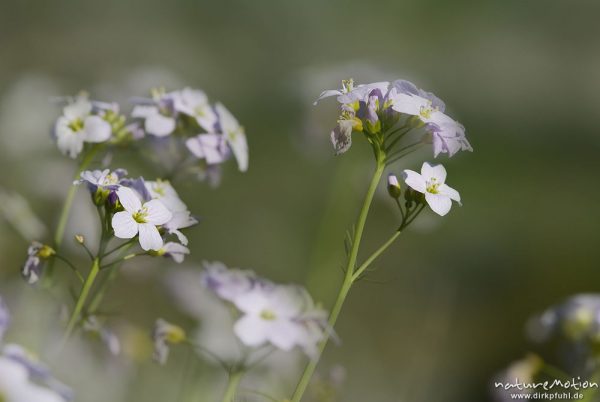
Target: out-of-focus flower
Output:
{"points": [[194, 103], [163, 191], [174, 250], [234, 135], [210, 147], [577, 319], [4, 318], [17, 211], [141, 219], [164, 334], [78, 125], [522, 371], [227, 283], [102, 184], [282, 315], [350, 93], [37, 255], [108, 337], [158, 114], [431, 182], [278, 315], [16, 386]]}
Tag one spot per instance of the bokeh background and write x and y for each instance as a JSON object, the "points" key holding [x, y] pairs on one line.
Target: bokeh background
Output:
{"points": [[446, 308]]}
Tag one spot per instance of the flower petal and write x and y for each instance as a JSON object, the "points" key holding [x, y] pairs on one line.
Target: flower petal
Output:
{"points": [[96, 129], [251, 330], [415, 181], [159, 125], [150, 237], [448, 191], [157, 213], [439, 203], [124, 225], [129, 199], [437, 172]]}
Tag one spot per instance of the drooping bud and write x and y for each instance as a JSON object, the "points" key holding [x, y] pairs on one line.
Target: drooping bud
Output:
{"points": [[393, 186]]}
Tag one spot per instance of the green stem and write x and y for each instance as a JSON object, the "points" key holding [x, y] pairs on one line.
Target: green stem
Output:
{"points": [[59, 234], [232, 385], [374, 256], [348, 280], [85, 291]]}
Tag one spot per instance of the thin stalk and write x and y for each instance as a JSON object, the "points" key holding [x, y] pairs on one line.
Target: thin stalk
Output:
{"points": [[232, 385], [59, 234], [120, 246], [346, 285], [376, 254], [70, 265], [85, 291]]}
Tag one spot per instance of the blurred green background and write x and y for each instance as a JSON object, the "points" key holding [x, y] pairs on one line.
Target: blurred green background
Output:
{"points": [[446, 307]]}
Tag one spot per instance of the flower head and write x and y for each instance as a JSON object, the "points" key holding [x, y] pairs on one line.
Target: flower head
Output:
{"points": [[78, 125], [164, 334], [142, 219], [431, 182], [194, 103], [158, 114], [37, 255], [210, 147]]}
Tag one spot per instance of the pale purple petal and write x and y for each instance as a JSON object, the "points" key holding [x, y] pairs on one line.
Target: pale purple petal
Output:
{"points": [[96, 129], [124, 225], [251, 330], [157, 213], [150, 238], [438, 172], [129, 199], [440, 204], [415, 181]]}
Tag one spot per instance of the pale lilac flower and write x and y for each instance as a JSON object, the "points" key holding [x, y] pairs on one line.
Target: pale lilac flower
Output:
{"points": [[234, 135], [163, 191], [448, 135], [210, 147], [194, 103], [159, 114], [227, 283], [78, 125], [140, 218], [102, 179], [165, 333], [37, 254], [174, 250], [4, 318], [341, 136], [393, 186], [350, 93], [36, 371], [16, 386], [431, 182], [108, 337], [276, 315]]}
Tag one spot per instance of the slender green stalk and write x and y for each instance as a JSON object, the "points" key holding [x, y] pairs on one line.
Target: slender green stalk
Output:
{"points": [[374, 256], [59, 234], [348, 280], [85, 291], [232, 385]]}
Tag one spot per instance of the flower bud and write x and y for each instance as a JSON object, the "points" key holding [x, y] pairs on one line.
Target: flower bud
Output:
{"points": [[79, 239], [393, 186]]}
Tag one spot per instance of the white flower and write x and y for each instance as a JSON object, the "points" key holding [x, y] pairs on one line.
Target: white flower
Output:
{"points": [[165, 333], [194, 103], [349, 93], [180, 220], [431, 182], [174, 250], [78, 125], [163, 191], [234, 135], [158, 113], [15, 385], [273, 315], [210, 147], [140, 218], [227, 283], [448, 134]]}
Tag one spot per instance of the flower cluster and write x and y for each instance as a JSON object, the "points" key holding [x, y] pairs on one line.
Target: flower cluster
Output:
{"points": [[284, 316], [215, 133], [22, 377], [386, 111], [207, 132]]}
